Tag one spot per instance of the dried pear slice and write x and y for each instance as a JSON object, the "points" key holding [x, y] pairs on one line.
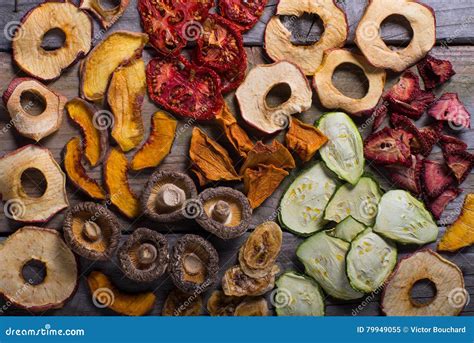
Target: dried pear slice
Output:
{"points": [[125, 96], [85, 115], [106, 16], [18, 205], [159, 143], [236, 283], [278, 43], [117, 49], [47, 65], [324, 259], [347, 230], [180, 304], [221, 305], [77, 174], [116, 182], [252, 307]]}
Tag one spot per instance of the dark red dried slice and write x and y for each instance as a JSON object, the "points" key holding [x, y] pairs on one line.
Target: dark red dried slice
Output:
{"points": [[418, 143], [435, 72], [379, 115], [232, 79], [460, 163], [406, 89], [451, 144], [449, 108], [432, 134], [438, 205], [436, 178], [415, 108], [184, 88], [243, 13], [389, 146], [408, 178]]}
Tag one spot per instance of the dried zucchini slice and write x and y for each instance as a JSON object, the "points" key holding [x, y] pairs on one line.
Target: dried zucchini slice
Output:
{"points": [[347, 230]]}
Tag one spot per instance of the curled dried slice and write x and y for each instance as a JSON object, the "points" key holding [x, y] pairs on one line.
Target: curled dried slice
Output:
{"points": [[245, 14], [211, 162], [252, 307], [379, 115], [117, 49], [305, 140], [418, 142], [116, 182], [158, 144], [125, 96], [258, 254], [180, 304], [436, 178], [43, 64], [438, 205], [407, 177], [460, 234], [278, 43], [261, 182], [252, 96], [406, 89], [236, 283], [95, 134], [39, 126], [415, 108], [221, 305], [77, 174], [435, 72], [106, 294], [388, 146], [461, 164], [451, 144], [106, 16], [449, 108], [432, 135], [183, 88], [275, 154], [233, 78]]}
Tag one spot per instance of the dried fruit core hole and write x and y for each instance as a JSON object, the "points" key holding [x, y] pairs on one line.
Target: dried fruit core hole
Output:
{"points": [[305, 30], [147, 254], [91, 231], [351, 81], [221, 211], [33, 182], [395, 28], [32, 102], [170, 197], [34, 272], [425, 287], [278, 95], [53, 39], [109, 4], [193, 265]]}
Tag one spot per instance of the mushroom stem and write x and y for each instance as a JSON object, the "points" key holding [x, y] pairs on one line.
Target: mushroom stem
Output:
{"points": [[170, 197], [192, 264], [221, 211], [147, 254], [91, 231]]}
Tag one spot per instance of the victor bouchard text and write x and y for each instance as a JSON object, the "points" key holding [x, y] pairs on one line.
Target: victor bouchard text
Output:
{"points": [[411, 329]]}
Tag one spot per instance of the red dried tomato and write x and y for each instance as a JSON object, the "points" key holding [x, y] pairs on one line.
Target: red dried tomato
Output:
{"points": [[243, 13], [184, 88], [232, 79]]}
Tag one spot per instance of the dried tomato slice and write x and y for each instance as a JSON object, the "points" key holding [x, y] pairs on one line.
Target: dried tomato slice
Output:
{"points": [[243, 13], [181, 87], [232, 79]]}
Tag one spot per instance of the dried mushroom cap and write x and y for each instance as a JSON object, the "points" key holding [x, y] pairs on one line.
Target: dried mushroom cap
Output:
{"points": [[144, 256], [450, 298], [39, 126], [236, 283], [166, 195], [106, 16], [92, 231], [44, 64], [194, 264], [252, 307], [252, 96], [32, 244], [221, 305], [225, 213], [259, 253], [422, 21], [180, 304], [278, 43]]}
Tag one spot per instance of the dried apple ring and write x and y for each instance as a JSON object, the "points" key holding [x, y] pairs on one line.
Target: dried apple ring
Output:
{"points": [[31, 126], [107, 17], [422, 21], [278, 43], [332, 98], [48, 65]]}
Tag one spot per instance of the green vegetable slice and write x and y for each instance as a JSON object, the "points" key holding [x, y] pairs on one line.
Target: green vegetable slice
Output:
{"points": [[370, 261], [302, 206], [297, 295], [324, 258], [404, 219], [344, 153], [359, 201], [348, 229]]}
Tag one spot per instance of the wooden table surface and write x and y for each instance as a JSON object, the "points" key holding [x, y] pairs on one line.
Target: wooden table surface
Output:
{"points": [[455, 27]]}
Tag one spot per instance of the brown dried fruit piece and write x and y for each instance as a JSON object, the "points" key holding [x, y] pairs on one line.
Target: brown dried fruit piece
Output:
{"points": [[461, 164], [210, 161], [105, 293], [86, 116], [450, 296], [408, 178], [261, 182], [106, 16], [46, 248], [252, 307], [275, 154], [117, 49], [20, 206], [158, 144], [438, 205], [92, 231], [435, 72], [278, 43], [388, 146], [305, 140], [47, 65], [236, 283], [116, 182], [436, 178], [461, 233], [39, 126], [125, 96], [449, 108], [222, 305], [180, 304]]}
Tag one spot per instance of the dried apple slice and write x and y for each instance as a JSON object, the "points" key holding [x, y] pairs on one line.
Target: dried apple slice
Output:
{"points": [[305, 140], [125, 96], [18, 205], [47, 65], [31, 126], [106, 16], [159, 143], [116, 182], [95, 135], [116, 50], [278, 43], [76, 172]]}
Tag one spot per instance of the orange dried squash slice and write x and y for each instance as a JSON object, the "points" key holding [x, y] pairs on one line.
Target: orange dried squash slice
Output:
{"points": [[261, 182], [305, 140]]}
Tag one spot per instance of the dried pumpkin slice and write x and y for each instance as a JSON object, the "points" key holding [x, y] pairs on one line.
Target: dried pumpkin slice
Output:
{"points": [[106, 294], [305, 140], [180, 304], [159, 143], [261, 182], [220, 305], [461, 233], [125, 96], [252, 307], [106, 16], [114, 51], [85, 115], [116, 182], [275, 154], [77, 174], [236, 283]]}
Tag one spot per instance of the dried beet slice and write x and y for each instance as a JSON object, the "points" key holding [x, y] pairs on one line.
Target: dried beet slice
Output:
{"points": [[435, 72], [243, 13], [181, 87], [408, 178], [438, 205], [379, 115], [436, 178], [406, 89], [460, 163], [450, 144], [449, 108], [389, 146]]}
